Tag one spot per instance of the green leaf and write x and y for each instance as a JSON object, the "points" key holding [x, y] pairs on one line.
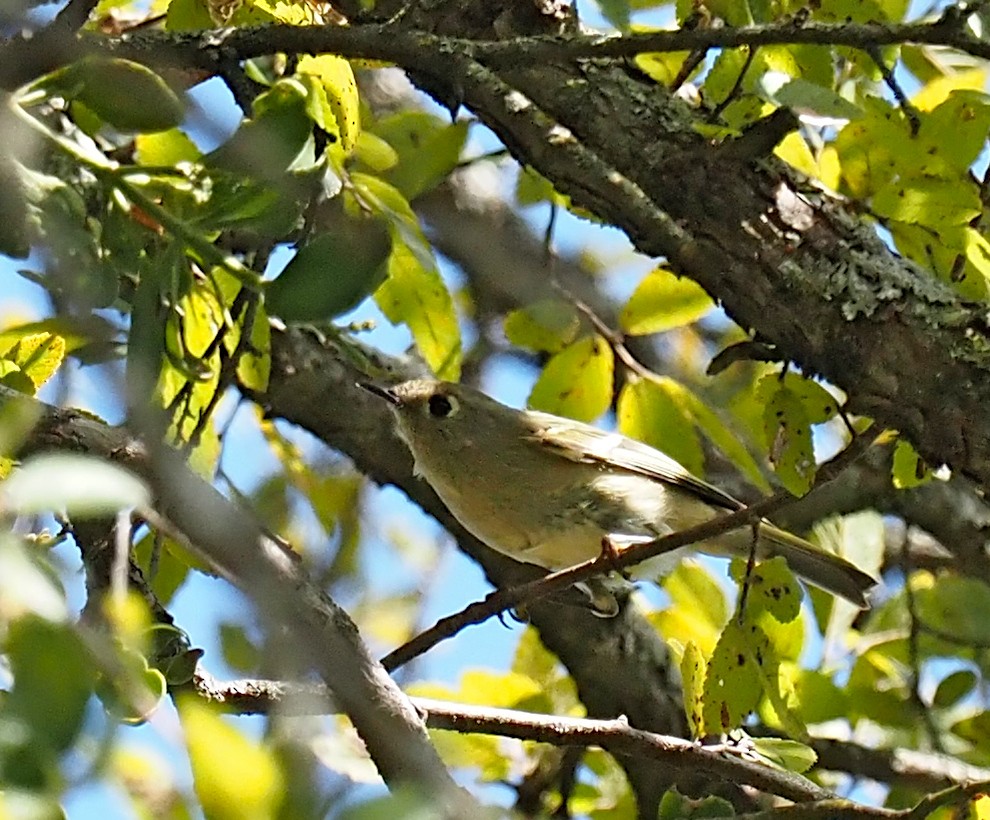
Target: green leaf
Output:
{"points": [[975, 729], [650, 410], [264, 146], [124, 94], [15, 234], [808, 97], [616, 12], [661, 66], [29, 805], [956, 606], [135, 692], [785, 754], [870, 149], [532, 188], [171, 569], [53, 679], [374, 152], [27, 584], [954, 687], [577, 382], [818, 403], [413, 293], [663, 301], [36, 357], [548, 325], [908, 468], [953, 134], [818, 698], [956, 243], [675, 806], [721, 436], [416, 295], [255, 361], [928, 201], [428, 149], [165, 148], [220, 756], [239, 651], [332, 273], [81, 485], [188, 15]]}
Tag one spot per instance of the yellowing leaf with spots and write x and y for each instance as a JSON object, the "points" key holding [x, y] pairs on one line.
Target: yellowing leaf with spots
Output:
{"points": [[734, 681], [693, 672], [337, 82]]}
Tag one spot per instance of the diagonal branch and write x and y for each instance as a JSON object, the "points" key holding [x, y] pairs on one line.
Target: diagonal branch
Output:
{"points": [[324, 637]]}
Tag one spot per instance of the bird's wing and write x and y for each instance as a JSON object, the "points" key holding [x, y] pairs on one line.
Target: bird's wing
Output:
{"points": [[582, 442]]}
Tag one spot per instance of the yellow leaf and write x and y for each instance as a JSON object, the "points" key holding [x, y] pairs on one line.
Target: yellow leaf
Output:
{"points": [[234, 777], [938, 90], [337, 79], [577, 382]]}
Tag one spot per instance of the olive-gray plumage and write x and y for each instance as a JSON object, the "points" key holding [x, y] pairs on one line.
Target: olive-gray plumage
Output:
{"points": [[547, 490]]}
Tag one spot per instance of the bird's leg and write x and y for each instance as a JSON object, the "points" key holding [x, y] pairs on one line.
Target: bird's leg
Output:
{"points": [[610, 552]]}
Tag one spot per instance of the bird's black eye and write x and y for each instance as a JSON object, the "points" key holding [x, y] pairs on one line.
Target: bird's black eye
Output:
{"points": [[441, 406]]}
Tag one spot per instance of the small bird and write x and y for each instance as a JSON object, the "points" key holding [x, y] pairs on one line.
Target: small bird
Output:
{"points": [[551, 491]]}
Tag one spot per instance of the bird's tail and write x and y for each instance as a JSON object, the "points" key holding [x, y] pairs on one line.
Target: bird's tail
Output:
{"points": [[818, 566]]}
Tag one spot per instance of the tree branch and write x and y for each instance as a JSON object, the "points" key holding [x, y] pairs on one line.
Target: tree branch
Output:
{"points": [[323, 636]]}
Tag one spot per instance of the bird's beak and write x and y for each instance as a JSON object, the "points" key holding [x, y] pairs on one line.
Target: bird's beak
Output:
{"points": [[382, 392]]}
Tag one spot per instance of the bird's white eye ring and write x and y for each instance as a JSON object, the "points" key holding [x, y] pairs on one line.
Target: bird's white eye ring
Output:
{"points": [[442, 406]]}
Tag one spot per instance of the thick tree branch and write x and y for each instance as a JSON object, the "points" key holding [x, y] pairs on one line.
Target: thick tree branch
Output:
{"points": [[904, 767], [397, 43], [615, 736], [905, 347]]}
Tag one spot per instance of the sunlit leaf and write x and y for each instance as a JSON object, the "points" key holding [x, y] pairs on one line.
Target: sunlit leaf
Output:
{"points": [[427, 147], [220, 755], [663, 301], [165, 148], [577, 381], [785, 754], [340, 95], [37, 357], [928, 201], [908, 469], [788, 431], [650, 410], [772, 587], [548, 325], [694, 670], [413, 292], [733, 684]]}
